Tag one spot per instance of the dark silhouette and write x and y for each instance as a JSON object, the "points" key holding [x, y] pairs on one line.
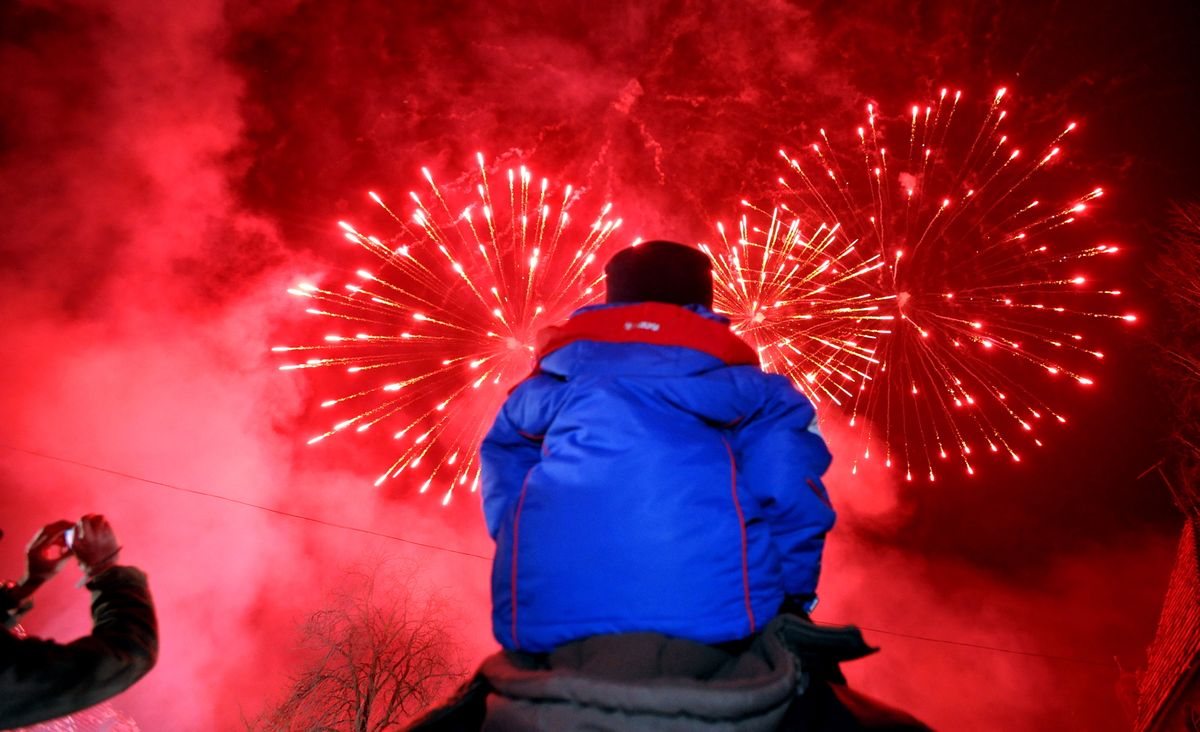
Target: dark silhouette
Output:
{"points": [[42, 679]]}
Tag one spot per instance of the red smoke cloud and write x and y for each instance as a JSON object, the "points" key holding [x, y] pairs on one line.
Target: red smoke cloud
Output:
{"points": [[168, 169], [140, 298]]}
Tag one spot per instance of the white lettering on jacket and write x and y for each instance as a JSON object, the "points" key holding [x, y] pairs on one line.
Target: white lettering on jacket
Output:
{"points": [[642, 325]]}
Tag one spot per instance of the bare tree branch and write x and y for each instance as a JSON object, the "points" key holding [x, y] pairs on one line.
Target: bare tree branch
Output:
{"points": [[383, 653]]}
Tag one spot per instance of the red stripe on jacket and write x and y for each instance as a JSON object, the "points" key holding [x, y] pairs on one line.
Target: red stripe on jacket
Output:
{"points": [[515, 530], [742, 526]]}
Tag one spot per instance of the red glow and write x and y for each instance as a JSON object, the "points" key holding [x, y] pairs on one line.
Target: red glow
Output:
{"points": [[943, 247], [171, 168]]}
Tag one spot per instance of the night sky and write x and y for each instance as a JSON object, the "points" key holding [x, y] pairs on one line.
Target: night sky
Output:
{"points": [[167, 170]]}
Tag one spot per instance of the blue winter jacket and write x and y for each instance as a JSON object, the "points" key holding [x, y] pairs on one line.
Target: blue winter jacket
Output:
{"points": [[650, 477]]}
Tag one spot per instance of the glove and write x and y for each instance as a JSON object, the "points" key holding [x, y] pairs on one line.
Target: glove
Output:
{"points": [[798, 605], [95, 545]]}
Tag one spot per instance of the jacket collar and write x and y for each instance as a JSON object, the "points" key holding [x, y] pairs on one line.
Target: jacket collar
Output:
{"points": [[652, 323]]}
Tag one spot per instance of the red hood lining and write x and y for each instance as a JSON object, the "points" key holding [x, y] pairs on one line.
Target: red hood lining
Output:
{"points": [[652, 323]]}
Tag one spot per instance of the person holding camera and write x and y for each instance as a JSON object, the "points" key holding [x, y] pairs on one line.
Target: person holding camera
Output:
{"points": [[42, 679]]}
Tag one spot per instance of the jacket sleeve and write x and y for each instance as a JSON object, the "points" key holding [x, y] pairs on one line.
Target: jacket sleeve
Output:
{"points": [[781, 457], [42, 679], [512, 447]]}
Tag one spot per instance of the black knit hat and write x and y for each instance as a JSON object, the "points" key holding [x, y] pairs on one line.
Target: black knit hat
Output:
{"points": [[659, 271]]}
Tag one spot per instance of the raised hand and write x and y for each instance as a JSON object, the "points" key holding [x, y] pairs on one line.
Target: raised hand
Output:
{"points": [[95, 545], [46, 553]]}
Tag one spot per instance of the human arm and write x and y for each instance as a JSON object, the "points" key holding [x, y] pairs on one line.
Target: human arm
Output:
{"points": [[42, 679], [781, 457], [513, 446], [45, 555]]}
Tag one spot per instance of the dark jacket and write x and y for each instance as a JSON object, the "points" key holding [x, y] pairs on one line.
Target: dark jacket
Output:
{"points": [[786, 678], [42, 679], [651, 478]]}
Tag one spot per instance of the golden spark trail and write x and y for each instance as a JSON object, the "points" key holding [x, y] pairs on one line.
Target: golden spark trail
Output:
{"points": [[950, 339], [445, 323]]}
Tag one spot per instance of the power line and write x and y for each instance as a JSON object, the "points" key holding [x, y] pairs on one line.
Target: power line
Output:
{"points": [[438, 547], [248, 504], [965, 644]]}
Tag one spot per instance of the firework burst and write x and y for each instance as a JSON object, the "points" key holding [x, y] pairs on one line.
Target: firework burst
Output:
{"points": [[973, 305], [433, 334], [801, 298]]}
